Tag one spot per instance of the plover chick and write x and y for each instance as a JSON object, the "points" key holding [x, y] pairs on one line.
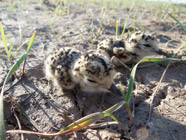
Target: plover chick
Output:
{"points": [[141, 44], [90, 71], [94, 72], [131, 49], [59, 65], [114, 47]]}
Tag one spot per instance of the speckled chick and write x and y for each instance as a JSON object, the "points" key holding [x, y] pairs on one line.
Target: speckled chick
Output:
{"points": [[90, 71], [93, 72], [114, 47], [131, 49], [141, 44], [59, 65]]}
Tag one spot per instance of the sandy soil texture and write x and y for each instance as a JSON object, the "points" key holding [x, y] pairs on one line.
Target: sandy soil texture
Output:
{"points": [[81, 26]]}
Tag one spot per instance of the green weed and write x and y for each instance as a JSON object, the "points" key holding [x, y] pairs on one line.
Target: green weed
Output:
{"points": [[10, 73]]}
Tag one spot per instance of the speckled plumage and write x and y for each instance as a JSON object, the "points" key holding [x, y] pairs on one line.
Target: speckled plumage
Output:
{"points": [[131, 49], [58, 67], [94, 72], [70, 68]]}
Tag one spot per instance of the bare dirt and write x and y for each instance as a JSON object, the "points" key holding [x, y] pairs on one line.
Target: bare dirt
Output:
{"points": [[53, 110]]}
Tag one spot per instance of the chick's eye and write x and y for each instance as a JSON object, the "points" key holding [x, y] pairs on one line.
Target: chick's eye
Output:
{"points": [[92, 81], [147, 45]]}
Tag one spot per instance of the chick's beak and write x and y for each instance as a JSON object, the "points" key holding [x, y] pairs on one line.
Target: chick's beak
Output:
{"points": [[162, 53], [115, 90]]}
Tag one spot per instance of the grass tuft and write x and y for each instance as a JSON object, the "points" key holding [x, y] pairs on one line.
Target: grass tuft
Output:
{"points": [[177, 21], [4, 40], [127, 97], [133, 72], [79, 124], [10, 73]]}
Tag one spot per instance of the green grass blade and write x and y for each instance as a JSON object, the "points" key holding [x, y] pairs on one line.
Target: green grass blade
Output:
{"points": [[131, 83], [124, 30], [79, 124], [83, 122], [4, 39], [126, 20], [89, 119], [125, 26], [134, 20], [19, 47], [29, 46], [2, 124], [13, 69], [141, 27], [114, 107], [132, 75], [117, 28], [177, 21], [122, 91], [31, 42], [52, 28], [112, 116], [11, 44]]}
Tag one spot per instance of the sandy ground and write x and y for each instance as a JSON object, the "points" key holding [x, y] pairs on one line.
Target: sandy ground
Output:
{"points": [[53, 110]]}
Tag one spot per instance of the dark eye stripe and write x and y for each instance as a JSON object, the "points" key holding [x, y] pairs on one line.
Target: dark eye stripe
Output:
{"points": [[92, 81], [102, 62], [143, 36], [147, 45]]}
